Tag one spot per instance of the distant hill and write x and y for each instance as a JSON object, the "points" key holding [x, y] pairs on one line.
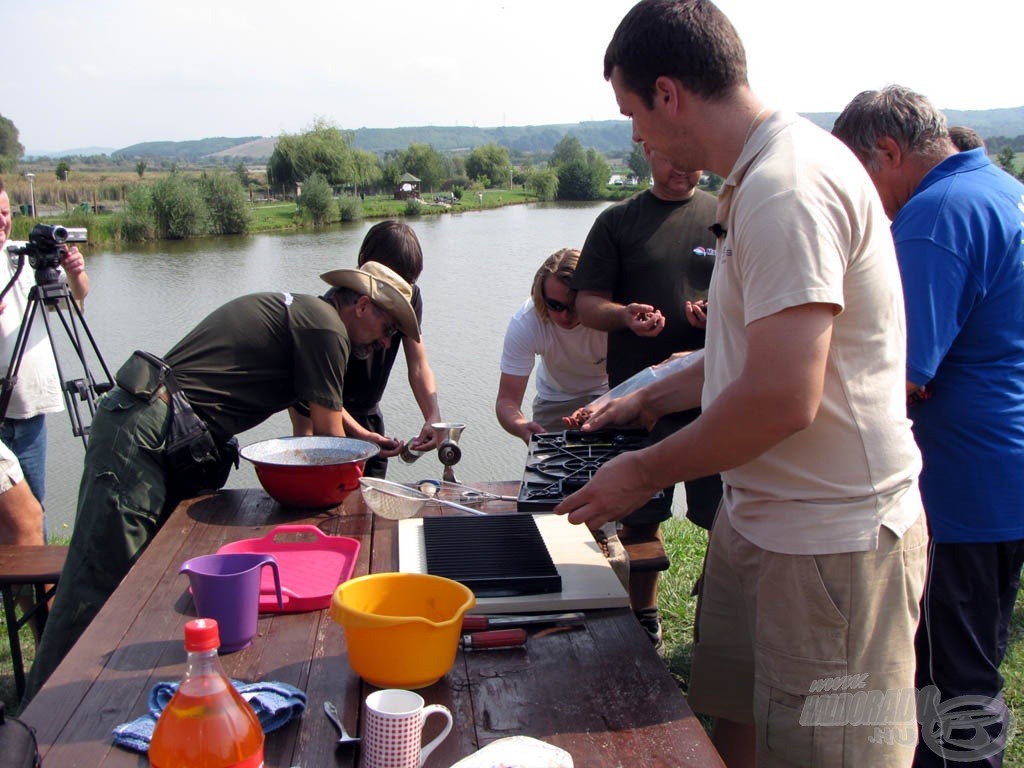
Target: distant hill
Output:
{"points": [[989, 123], [607, 136], [77, 152], [185, 151]]}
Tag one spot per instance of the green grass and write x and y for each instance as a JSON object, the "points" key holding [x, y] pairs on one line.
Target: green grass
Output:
{"points": [[282, 216], [8, 693], [685, 544]]}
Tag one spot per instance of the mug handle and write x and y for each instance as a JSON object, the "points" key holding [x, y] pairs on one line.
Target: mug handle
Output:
{"points": [[272, 562], [438, 709]]}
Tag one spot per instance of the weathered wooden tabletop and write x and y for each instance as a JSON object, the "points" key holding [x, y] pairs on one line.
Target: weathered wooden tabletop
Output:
{"points": [[600, 692]]}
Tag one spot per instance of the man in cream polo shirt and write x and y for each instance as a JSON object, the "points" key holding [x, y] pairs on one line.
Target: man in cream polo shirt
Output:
{"points": [[816, 560]]}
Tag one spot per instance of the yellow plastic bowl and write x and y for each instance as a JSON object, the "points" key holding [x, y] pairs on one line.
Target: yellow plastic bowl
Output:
{"points": [[402, 629]]}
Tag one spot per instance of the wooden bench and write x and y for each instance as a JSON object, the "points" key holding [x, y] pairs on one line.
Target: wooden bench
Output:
{"points": [[646, 553], [40, 568]]}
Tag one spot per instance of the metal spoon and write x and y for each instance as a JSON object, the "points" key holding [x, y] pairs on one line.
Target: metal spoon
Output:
{"points": [[332, 715]]}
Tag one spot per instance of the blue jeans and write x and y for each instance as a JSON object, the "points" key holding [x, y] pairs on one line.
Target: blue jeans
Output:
{"points": [[27, 440]]}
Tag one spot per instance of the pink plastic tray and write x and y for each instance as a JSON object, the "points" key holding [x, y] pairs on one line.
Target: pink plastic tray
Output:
{"points": [[310, 568]]}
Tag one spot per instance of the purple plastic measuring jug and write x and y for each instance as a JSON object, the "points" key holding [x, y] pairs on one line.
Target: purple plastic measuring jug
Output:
{"points": [[226, 587]]}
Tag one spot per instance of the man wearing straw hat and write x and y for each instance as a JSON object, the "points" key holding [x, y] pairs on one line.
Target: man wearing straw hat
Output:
{"points": [[254, 356]]}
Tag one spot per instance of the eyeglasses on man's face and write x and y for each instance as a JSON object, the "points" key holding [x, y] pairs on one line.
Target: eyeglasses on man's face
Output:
{"points": [[390, 329]]}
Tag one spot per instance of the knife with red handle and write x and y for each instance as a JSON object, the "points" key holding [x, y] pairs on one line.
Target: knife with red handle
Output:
{"points": [[496, 638], [475, 623]]}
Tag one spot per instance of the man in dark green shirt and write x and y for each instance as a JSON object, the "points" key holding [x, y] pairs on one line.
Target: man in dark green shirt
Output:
{"points": [[644, 271], [252, 357]]}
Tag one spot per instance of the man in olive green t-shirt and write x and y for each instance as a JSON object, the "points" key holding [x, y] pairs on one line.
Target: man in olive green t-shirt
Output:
{"points": [[253, 357]]}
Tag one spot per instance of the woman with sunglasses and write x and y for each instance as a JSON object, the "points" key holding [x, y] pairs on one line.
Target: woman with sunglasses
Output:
{"points": [[571, 371]]}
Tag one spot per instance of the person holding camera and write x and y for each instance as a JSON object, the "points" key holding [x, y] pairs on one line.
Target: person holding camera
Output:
{"points": [[37, 390]]}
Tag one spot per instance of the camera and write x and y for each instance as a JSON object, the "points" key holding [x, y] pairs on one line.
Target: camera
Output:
{"points": [[46, 247]]}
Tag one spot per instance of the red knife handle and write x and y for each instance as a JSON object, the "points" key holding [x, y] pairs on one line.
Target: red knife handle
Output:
{"points": [[496, 638], [474, 623]]}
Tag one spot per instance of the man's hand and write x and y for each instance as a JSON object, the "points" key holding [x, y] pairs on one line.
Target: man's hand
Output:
{"points": [[73, 261], [614, 491], [626, 411], [389, 446], [425, 441], [697, 313], [644, 320], [74, 268]]}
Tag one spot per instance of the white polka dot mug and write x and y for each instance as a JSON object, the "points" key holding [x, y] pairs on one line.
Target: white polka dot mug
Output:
{"points": [[393, 735]]}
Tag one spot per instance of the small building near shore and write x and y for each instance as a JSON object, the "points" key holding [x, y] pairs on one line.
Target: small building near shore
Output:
{"points": [[408, 187]]}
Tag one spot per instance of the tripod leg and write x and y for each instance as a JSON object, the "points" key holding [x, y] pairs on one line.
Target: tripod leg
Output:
{"points": [[58, 297]]}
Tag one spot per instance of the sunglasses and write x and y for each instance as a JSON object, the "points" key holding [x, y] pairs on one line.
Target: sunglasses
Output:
{"points": [[557, 306]]}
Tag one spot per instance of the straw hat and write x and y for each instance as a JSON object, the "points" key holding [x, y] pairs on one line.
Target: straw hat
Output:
{"points": [[385, 288]]}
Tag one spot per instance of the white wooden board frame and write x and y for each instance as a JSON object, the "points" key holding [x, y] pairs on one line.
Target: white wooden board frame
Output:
{"points": [[588, 581]]}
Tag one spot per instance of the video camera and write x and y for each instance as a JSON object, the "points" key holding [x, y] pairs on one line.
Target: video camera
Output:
{"points": [[47, 246]]}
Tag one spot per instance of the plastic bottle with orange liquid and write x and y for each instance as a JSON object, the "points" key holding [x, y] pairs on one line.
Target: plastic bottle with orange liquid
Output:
{"points": [[207, 723]]}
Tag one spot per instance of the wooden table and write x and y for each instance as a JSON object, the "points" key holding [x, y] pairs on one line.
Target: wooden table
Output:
{"points": [[600, 692]]}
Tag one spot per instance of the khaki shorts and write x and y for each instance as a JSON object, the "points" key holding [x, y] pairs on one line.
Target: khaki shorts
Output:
{"points": [[10, 469], [817, 651]]}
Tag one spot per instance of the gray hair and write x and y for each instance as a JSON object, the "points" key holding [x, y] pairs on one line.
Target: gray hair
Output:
{"points": [[895, 112], [342, 296]]}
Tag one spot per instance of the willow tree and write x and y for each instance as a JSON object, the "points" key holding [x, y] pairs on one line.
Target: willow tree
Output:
{"points": [[10, 148], [325, 149]]}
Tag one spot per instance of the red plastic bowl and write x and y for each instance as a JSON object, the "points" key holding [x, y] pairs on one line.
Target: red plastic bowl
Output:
{"points": [[309, 472]]}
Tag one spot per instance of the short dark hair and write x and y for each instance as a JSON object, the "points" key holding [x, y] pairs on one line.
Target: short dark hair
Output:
{"points": [[689, 40], [896, 112], [965, 138], [394, 245]]}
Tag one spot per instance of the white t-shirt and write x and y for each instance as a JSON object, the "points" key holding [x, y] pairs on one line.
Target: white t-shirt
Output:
{"points": [[572, 362], [38, 387], [805, 225], [10, 469]]}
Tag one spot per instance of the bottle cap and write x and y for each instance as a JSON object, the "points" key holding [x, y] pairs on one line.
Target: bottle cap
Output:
{"points": [[202, 635]]}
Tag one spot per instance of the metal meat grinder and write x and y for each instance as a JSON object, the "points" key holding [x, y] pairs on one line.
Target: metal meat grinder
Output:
{"points": [[448, 451]]}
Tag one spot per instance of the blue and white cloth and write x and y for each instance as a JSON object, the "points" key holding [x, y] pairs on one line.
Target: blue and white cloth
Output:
{"points": [[274, 703]]}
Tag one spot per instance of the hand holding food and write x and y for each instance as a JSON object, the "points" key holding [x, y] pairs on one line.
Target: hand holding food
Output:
{"points": [[697, 313], [645, 320]]}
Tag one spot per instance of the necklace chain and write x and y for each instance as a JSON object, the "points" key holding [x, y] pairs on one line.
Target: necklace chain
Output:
{"points": [[750, 128]]}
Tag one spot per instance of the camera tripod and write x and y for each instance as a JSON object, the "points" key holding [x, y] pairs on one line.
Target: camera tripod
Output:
{"points": [[50, 294]]}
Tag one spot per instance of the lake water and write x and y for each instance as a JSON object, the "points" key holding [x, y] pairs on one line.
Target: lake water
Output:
{"points": [[478, 269]]}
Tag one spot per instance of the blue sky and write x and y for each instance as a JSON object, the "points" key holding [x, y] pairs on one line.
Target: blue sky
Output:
{"points": [[110, 73]]}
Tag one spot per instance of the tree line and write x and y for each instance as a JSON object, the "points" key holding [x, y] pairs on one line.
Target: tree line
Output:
{"points": [[327, 152]]}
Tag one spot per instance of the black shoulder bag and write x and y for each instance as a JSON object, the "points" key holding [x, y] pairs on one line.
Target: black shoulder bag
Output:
{"points": [[17, 743], [195, 462], [192, 456]]}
